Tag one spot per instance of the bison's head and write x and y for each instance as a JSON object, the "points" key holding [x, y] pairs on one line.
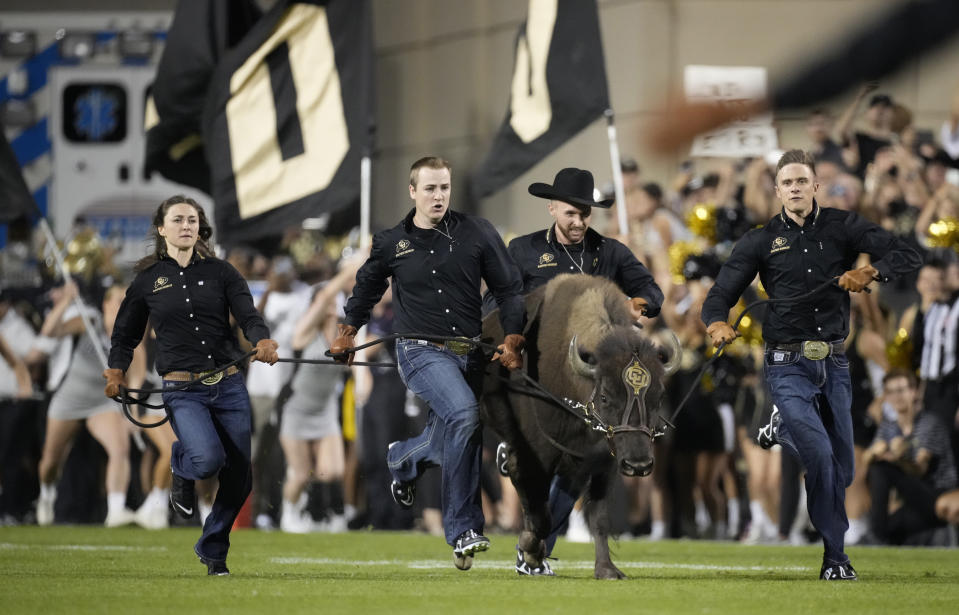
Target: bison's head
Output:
{"points": [[627, 371]]}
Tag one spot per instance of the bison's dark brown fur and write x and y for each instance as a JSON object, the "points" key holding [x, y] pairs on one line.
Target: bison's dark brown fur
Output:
{"points": [[593, 310]]}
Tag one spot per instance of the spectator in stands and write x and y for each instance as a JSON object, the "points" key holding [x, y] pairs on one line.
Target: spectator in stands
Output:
{"points": [[912, 455]]}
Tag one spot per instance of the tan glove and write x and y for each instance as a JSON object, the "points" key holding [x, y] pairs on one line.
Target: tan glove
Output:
{"points": [[345, 338], [266, 351], [115, 379], [510, 352], [638, 304], [720, 332], [856, 280]]}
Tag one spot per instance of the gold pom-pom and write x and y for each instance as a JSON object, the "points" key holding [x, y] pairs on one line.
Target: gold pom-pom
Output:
{"points": [[679, 251], [944, 234], [701, 220], [899, 352]]}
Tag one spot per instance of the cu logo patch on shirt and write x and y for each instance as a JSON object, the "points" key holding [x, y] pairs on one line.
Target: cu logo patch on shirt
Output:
{"points": [[403, 247], [161, 283], [780, 244], [546, 260]]}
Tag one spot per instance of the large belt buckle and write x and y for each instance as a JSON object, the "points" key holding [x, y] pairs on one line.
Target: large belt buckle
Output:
{"points": [[815, 350], [211, 380], [459, 348]]}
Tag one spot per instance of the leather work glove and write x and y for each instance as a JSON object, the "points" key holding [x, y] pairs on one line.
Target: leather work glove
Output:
{"points": [[857, 279], [510, 352], [720, 332], [639, 306], [115, 379], [345, 338], [266, 351]]}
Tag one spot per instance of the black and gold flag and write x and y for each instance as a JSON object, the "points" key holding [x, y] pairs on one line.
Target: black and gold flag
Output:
{"points": [[200, 35], [15, 198], [288, 117], [558, 88]]}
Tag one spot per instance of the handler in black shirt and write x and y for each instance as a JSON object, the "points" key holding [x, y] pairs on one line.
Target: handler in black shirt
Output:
{"points": [[437, 259], [188, 295], [798, 250], [570, 246]]}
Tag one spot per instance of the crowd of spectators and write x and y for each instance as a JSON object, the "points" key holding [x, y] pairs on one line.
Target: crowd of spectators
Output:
{"points": [[711, 480]]}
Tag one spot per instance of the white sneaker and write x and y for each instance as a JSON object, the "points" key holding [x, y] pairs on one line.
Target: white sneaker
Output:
{"points": [[45, 509], [295, 520], [153, 514], [334, 524], [578, 531], [120, 517]]}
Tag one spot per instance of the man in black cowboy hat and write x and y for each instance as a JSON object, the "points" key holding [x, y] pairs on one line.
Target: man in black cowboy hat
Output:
{"points": [[570, 246]]}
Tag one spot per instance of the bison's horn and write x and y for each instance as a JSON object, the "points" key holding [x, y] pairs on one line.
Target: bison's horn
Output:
{"points": [[675, 353], [579, 366]]}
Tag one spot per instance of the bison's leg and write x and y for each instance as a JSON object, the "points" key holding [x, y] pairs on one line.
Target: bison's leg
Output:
{"points": [[596, 512], [532, 485]]}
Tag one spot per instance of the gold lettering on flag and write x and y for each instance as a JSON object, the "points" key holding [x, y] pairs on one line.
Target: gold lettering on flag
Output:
{"points": [[530, 109]]}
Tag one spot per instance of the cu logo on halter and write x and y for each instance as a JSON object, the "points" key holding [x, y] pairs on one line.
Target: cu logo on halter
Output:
{"points": [[547, 257], [636, 376], [402, 245]]}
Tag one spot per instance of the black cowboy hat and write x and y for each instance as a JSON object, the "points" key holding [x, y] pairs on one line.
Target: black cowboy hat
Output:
{"points": [[573, 186]]}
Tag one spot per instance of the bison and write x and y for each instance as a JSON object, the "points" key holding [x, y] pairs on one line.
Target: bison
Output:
{"points": [[582, 345]]}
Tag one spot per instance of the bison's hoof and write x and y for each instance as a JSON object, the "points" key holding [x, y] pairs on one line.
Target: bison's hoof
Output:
{"points": [[533, 548], [608, 571]]}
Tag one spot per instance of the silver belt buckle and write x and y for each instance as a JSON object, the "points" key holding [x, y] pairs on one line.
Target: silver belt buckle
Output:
{"points": [[211, 380], [815, 350], [459, 348]]}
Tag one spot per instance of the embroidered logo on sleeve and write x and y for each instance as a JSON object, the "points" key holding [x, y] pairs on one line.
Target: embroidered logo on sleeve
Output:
{"points": [[546, 259], [161, 283], [403, 247], [780, 244]]}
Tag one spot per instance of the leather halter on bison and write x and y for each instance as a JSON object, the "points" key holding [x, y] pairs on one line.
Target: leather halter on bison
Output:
{"points": [[581, 346]]}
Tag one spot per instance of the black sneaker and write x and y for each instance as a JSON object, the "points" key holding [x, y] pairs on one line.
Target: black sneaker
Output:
{"points": [[467, 544], [769, 434], [523, 568], [838, 572], [502, 456], [215, 569], [183, 497], [403, 494]]}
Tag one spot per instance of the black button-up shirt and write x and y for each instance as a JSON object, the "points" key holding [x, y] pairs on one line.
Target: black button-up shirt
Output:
{"points": [[436, 282], [541, 258], [793, 260], [189, 308]]}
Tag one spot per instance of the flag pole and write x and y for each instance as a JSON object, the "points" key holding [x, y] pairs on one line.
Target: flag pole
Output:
{"points": [[366, 165], [617, 173], [81, 307]]}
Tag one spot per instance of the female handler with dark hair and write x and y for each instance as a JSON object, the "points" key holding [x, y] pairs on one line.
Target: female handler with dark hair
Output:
{"points": [[188, 294]]}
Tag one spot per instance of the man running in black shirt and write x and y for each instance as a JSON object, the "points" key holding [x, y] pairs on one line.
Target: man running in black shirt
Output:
{"points": [[437, 259], [799, 250]]}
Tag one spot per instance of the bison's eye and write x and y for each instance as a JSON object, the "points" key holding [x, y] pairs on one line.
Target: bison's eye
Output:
{"points": [[603, 398]]}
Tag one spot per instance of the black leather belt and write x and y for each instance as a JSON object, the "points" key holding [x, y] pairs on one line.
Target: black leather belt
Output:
{"points": [[812, 349]]}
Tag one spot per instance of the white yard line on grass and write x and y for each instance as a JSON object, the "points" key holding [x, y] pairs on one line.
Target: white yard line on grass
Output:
{"points": [[558, 564], [12, 546]]}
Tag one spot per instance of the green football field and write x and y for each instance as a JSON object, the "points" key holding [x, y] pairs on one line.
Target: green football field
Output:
{"points": [[69, 569]]}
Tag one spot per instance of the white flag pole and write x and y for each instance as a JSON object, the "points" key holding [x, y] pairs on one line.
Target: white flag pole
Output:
{"points": [[366, 166], [617, 174], [84, 316]]}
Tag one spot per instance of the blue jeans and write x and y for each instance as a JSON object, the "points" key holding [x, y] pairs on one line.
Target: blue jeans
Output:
{"points": [[212, 424], [821, 438], [451, 438]]}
